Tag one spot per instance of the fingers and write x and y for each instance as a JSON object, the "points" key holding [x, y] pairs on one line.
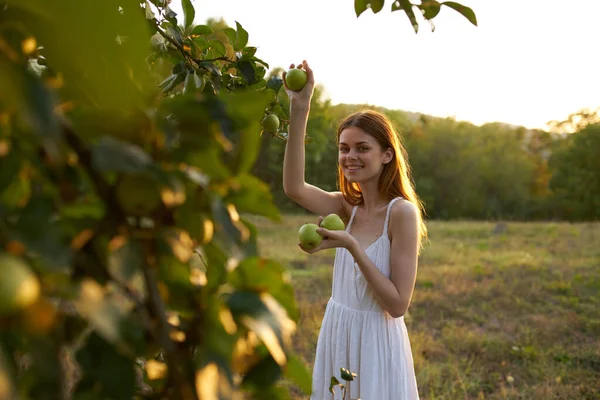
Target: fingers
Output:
{"points": [[309, 72], [319, 221], [323, 232], [310, 251]]}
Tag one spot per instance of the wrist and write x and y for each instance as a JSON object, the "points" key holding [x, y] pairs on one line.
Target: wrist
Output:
{"points": [[353, 248], [299, 109]]}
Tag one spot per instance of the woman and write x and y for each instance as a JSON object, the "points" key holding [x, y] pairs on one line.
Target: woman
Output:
{"points": [[375, 266]]}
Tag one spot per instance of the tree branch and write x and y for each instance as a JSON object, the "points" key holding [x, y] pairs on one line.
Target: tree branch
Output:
{"points": [[184, 390]]}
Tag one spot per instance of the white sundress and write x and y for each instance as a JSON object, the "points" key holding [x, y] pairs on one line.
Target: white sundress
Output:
{"points": [[359, 335]]}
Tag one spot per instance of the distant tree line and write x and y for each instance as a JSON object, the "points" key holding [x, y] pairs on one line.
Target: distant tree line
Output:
{"points": [[464, 171]]}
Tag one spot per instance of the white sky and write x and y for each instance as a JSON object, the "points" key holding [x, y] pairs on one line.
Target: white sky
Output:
{"points": [[528, 61]]}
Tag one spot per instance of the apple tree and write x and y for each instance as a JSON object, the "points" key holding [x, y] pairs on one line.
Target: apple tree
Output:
{"points": [[127, 266]]}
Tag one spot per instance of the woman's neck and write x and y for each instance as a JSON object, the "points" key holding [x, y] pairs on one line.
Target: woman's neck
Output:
{"points": [[372, 199]]}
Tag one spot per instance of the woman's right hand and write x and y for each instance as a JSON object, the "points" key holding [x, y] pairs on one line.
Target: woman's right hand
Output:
{"points": [[301, 99]]}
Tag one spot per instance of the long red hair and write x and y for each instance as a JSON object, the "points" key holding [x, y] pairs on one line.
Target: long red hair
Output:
{"points": [[395, 179]]}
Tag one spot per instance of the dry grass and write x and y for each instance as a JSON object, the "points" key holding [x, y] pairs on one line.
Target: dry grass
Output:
{"points": [[508, 313]]}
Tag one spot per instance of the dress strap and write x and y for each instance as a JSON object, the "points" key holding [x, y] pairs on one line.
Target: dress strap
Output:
{"points": [[351, 218], [387, 216]]}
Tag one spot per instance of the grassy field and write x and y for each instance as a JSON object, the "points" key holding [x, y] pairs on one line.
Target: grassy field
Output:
{"points": [[509, 311]]}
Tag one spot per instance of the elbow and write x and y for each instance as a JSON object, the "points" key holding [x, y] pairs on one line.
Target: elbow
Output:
{"points": [[288, 191], [398, 311], [291, 191]]}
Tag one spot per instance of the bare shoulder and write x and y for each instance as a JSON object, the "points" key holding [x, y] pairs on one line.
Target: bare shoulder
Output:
{"points": [[404, 217]]}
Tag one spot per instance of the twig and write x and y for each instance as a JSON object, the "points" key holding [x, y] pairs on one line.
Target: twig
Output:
{"points": [[114, 212], [201, 258], [215, 59], [173, 42]]}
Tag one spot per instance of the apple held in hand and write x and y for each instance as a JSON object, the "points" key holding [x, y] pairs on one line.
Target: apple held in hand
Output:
{"points": [[333, 222], [309, 238], [296, 78]]}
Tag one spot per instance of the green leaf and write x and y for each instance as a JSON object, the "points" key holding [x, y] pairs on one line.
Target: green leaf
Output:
{"points": [[113, 155], [216, 259], [93, 209], [10, 165], [173, 83], [167, 81], [170, 15], [275, 84], [347, 375], [259, 61], [231, 35], [125, 263], [44, 353], [262, 314], [188, 12], [18, 190], [296, 371], [333, 383], [245, 110], [35, 102], [222, 217], [408, 9], [264, 374], [241, 37], [106, 374], [218, 47], [38, 230], [72, 39], [360, 6], [248, 53], [178, 68], [149, 13], [201, 30], [247, 70], [263, 275], [175, 33], [430, 8], [105, 310], [466, 12], [210, 163], [254, 196], [376, 5], [272, 392]]}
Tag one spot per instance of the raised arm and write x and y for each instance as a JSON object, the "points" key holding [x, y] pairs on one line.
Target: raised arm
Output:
{"points": [[308, 196]]}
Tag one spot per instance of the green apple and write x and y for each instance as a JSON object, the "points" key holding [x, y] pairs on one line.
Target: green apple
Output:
{"points": [[19, 287], [333, 222], [271, 123], [309, 238], [296, 78]]}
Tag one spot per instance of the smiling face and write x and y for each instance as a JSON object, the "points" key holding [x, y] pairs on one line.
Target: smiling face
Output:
{"points": [[360, 156]]}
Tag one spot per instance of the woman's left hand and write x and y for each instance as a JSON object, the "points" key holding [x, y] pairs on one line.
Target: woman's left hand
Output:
{"points": [[331, 240]]}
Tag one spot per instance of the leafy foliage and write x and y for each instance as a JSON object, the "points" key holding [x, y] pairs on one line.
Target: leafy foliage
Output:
{"points": [[576, 177], [122, 190], [428, 8]]}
